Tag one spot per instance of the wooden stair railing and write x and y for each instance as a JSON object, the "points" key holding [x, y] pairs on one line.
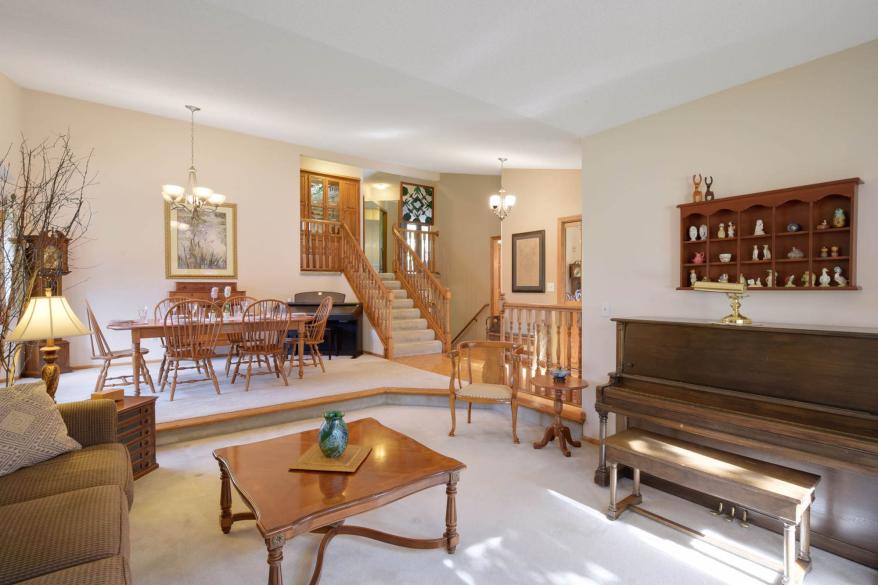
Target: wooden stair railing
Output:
{"points": [[424, 245], [551, 336], [329, 246], [468, 323], [428, 294]]}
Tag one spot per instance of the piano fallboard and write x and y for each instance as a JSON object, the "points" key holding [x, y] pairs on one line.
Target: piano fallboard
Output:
{"points": [[802, 397]]}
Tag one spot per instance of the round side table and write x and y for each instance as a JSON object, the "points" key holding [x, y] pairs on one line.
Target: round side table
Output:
{"points": [[556, 430]]}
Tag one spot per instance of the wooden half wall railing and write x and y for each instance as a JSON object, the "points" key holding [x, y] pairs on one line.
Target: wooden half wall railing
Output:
{"points": [[551, 336], [424, 245], [329, 246], [429, 295]]}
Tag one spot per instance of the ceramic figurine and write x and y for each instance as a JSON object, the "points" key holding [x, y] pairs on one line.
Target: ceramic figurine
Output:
{"points": [[825, 279], [791, 281], [806, 279], [697, 195], [839, 279], [723, 277], [693, 277], [834, 251], [757, 283], [769, 278], [725, 257], [702, 231], [793, 227], [838, 218], [708, 194], [766, 253], [705, 279], [693, 233], [824, 252], [795, 253], [760, 228], [731, 232], [823, 224], [699, 258], [755, 252], [741, 279], [721, 232]]}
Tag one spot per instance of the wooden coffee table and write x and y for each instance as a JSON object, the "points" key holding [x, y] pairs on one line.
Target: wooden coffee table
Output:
{"points": [[288, 503]]}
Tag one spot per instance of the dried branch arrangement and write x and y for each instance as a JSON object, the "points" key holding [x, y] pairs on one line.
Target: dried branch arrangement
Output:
{"points": [[42, 196]]}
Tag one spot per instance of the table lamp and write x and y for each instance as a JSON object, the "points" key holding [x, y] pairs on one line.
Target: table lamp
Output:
{"points": [[46, 318], [735, 292]]}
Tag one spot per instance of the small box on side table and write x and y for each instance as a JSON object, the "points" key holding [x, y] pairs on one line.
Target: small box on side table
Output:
{"points": [[135, 428]]}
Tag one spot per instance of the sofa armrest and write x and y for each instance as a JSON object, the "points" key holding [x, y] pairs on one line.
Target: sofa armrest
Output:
{"points": [[90, 422]]}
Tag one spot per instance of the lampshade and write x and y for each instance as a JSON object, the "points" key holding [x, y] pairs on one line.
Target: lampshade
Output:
{"points": [[509, 200], [494, 201], [47, 318]]}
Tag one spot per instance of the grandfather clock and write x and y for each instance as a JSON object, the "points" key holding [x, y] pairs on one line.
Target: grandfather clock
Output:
{"points": [[47, 255]]}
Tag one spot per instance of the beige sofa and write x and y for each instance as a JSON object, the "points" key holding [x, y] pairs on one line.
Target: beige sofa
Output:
{"points": [[65, 521]]}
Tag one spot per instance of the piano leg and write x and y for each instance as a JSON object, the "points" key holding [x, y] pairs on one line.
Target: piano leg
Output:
{"points": [[612, 512], [601, 477]]}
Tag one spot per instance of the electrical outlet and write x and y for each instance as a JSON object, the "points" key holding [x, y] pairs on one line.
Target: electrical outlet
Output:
{"points": [[606, 310]]}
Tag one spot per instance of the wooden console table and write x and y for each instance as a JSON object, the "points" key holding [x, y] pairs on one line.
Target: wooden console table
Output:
{"points": [[135, 428]]}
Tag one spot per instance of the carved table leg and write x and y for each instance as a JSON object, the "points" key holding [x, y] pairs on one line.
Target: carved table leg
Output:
{"points": [[569, 437], [451, 537], [275, 546], [548, 437], [601, 476], [225, 500]]}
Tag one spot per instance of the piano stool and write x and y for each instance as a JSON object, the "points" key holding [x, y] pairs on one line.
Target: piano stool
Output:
{"points": [[779, 492]]}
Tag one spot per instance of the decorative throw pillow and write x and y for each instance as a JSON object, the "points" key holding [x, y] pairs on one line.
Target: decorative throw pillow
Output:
{"points": [[31, 428]]}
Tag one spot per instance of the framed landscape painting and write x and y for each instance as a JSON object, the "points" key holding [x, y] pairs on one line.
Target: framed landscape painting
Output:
{"points": [[417, 203], [529, 262], [204, 248]]}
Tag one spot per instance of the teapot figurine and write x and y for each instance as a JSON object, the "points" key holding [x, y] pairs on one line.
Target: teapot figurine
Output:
{"points": [[839, 220], [699, 258]]}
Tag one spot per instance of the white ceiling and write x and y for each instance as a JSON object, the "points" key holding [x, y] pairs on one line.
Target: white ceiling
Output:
{"points": [[441, 85]]}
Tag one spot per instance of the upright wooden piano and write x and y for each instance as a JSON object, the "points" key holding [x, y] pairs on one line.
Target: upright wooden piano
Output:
{"points": [[801, 396]]}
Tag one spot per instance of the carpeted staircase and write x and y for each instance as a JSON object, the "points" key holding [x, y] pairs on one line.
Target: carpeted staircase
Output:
{"points": [[411, 335]]}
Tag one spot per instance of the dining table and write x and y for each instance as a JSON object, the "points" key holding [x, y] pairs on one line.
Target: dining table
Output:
{"points": [[152, 329]]}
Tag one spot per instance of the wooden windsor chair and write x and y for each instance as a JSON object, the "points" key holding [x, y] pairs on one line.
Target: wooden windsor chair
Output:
{"points": [[485, 372], [191, 332], [237, 306], [100, 350], [264, 330], [312, 335]]}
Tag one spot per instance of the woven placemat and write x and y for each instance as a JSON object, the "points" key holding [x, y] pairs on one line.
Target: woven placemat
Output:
{"points": [[314, 460]]}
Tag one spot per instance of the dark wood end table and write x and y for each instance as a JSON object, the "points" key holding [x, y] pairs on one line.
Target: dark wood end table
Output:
{"points": [[287, 503], [561, 391], [135, 428]]}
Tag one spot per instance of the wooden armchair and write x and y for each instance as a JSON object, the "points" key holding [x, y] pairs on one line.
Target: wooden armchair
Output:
{"points": [[484, 372], [264, 329], [312, 334], [100, 350], [191, 332]]}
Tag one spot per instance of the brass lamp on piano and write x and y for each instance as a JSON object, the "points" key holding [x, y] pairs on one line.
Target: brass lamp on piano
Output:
{"points": [[735, 291], [48, 318]]}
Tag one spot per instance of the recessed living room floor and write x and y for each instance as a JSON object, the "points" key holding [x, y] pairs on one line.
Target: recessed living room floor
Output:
{"points": [[524, 516], [198, 399]]}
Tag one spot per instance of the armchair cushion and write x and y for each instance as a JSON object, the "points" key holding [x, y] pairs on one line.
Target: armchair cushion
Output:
{"points": [[31, 428], [485, 392]]}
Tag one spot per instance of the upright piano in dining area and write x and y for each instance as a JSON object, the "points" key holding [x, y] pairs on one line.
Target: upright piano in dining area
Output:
{"points": [[345, 325], [805, 397]]}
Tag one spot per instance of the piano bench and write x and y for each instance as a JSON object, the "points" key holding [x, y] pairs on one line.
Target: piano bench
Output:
{"points": [[779, 492]]}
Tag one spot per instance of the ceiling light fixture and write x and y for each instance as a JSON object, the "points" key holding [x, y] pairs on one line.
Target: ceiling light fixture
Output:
{"points": [[193, 199], [381, 186], [502, 202]]}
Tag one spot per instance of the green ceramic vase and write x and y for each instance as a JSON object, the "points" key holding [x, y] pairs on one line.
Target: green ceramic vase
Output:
{"points": [[333, 434]]}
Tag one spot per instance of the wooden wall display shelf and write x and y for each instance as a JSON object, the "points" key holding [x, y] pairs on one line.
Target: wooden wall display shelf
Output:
{"points": [[806, 206], [201, 290], [135, 428]]}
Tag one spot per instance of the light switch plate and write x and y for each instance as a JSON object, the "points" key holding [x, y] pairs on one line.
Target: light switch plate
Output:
{"points": [[606, 310], [550, 287]]}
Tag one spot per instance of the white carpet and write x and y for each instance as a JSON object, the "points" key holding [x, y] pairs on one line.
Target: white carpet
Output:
{"points": [[199, 398], [525, 516]]}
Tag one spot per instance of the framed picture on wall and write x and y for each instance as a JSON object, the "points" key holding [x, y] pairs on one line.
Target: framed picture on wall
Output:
{"points": [[417, 204], [202, 247], [529, 262]]}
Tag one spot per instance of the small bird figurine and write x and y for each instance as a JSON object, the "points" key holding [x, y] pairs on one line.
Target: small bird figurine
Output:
{"points": [[824, 278], [838, 278]]}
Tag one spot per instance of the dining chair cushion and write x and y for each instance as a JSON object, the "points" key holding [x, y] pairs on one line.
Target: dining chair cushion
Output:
{"points": [[485, 391], [31, 428]]}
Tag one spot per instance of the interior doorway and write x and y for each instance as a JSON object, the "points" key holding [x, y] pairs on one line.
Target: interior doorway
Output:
{"points": [[375, 235], [496, 280]]}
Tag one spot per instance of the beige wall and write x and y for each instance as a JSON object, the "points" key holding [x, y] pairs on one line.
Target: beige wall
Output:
{"points": [[543, 196], [815, 122], [10, 115], [120, 266], [465, 225]]}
